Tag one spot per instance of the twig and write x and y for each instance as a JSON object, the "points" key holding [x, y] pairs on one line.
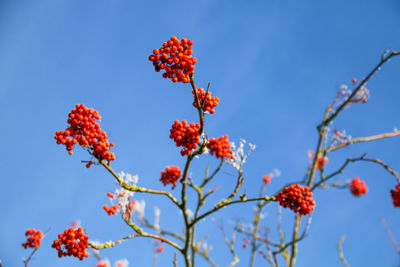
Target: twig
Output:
{"points": [[224, 204], [363, 139], [140, 189], [230, 243], [340, 251], [175, 261], [29, 258], [363, 82], [142, 234], [390, 235]]}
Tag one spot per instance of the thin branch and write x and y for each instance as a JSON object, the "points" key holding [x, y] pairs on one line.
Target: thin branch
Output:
{"points": [[293, 254], [224, 204], [390, 235], [175, 261], [207, 258], [29, 258], [146, 223], [363, 82], [140, 189], [229, 243], [384, 165], [142, 234], [363, 139], [340, 251], [339, 171]]}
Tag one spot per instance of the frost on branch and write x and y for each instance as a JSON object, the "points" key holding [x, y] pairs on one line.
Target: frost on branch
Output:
{"points": [[238, 154]]}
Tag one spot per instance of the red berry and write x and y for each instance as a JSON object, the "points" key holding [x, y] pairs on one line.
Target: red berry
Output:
{"points": [[185, 135], [176, 59], [267, 178], [73, 242], [297, 198], [171, 175], [85, 130], [358, 187], [396, 195], [34, 238], [210, 102], [220, 147]]}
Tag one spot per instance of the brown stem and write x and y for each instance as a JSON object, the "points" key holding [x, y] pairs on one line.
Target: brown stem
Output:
{"points": [[363, 139], [133, 188]]}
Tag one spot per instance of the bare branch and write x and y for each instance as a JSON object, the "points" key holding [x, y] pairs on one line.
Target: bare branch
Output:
{"points": [[140, 189], [363, 139], [340, 251], [390, 235]]}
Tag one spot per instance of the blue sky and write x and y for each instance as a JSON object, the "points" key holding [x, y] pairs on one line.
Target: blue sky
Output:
{"points": [[275, 66]]}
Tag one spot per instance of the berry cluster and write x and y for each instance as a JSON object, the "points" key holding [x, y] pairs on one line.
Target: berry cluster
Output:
{"points": [[210, 102], [185, 135], [159, 246], [34, 238], [69, 239], [358, 187], [220, 147], [171, 175], [106, 263], [297, 198], [396, 196], [112, 210], [322, 161], [85, 131], [246, 242], [175, 57], [267, 179], [103, 263]]}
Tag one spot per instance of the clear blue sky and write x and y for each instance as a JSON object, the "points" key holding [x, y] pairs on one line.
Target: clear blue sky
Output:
{"points": [[275, 66]]}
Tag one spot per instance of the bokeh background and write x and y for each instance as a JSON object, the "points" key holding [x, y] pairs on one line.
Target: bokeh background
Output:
{"points": [[275, 66]]}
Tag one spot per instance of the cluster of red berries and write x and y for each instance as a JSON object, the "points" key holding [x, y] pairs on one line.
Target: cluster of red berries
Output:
{"points": [[297, 198], [75, 243], [267, 179], [34, 238], [396, 195], [85, 131], [210, 102], [103, 263], [159, 246], [220, 147], [112, 210], [171, 175], [358, 187], [322, 161], [185, 135], [175, 57], [246, 242]]}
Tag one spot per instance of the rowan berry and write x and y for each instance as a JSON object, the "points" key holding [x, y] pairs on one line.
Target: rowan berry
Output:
{"points": [[84, 130], [220, 147], [170, 176], [72, 242], [297, 198], [267, 179], [34, 238], [112, 210], [175, 57], [246, 242], [103, 263], [358, 187], [210, 102], [396, 195], [185, 135], [159, 246]]}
